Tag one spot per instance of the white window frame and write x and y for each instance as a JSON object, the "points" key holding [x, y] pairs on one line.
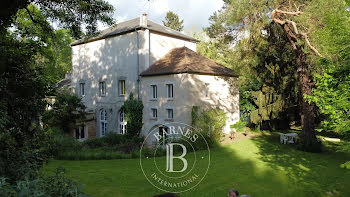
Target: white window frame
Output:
{"points": [[103, 122], [82, 129], [82, 89], [170, 94], [152, 113], [154, 92], [122, 123], [102, 88], [122, 87], [167, 113]]}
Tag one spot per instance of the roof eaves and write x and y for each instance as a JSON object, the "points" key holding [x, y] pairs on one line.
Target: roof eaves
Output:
{"points": [[188, 72], [79, 42]]}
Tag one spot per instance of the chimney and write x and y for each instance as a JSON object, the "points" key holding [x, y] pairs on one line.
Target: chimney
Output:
{"points": [[143, 20]]}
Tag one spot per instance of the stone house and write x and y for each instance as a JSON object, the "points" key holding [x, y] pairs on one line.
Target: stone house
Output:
{"points": [[155, 63]]}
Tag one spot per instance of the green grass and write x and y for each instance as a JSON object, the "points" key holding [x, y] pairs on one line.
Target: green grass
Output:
{"points": [[259, 167]]}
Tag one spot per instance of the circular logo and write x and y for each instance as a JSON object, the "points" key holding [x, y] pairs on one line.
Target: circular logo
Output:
{"points": [[174, 157]]}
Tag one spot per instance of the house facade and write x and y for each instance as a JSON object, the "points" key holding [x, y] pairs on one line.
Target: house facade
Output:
{"points": [[117, 62]]}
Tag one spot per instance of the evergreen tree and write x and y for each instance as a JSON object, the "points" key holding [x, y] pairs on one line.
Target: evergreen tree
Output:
{"points": [[172, 21]]}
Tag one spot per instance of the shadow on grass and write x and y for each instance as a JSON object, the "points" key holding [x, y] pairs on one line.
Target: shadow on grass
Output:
{"points": [[258, 167], [315, 173]]}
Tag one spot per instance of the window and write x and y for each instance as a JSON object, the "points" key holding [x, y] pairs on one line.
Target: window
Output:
{"points": [[170, 90], [206, 89], [102, 88], [103, 122], [170, 113], [82, 89], [80, 132], [154, 91], [154, 113], [122, 122], [121, 87]]}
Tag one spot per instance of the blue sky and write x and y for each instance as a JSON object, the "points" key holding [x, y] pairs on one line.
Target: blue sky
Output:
{"points": [[194, 12]]}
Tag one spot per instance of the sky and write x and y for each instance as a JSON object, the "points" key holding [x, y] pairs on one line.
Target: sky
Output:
{"points": [[194, 12]]}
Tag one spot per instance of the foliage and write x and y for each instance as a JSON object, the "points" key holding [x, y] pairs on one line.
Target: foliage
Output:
{"points": [[346, 165], [332, 92], [67, 14], [240, 125], [55, 185], [95, 154], [61, 142], [210, 123], [110, 146], [172, 21], [22, 142], [66, 111], [55, 53], [133, 109], [24, 80]]}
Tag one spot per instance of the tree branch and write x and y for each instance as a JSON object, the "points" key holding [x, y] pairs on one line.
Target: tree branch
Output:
{"points": [[309, 44], [297, 13], [289, 32]]}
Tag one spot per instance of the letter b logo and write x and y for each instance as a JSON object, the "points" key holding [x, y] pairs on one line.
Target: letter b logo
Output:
{"points": [[170, 157]]}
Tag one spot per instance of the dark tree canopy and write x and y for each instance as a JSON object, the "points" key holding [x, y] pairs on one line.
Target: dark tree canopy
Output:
{"points": [[31, 49], [69, 14], [173, 21]]}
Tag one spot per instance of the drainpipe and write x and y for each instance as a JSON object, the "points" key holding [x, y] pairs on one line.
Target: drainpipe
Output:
{"points": [[143, 25], [138, 64]]}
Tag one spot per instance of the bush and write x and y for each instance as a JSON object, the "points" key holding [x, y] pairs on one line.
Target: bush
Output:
{"points": [[56, 185], [111, 146], [240, 126], [67, 110], [62, 142], [210, 123], [133, 109]]}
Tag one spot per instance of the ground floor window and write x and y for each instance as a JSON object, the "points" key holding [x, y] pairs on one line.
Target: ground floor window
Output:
{"points": [[103, 122], [122, 122], [80, 132]]}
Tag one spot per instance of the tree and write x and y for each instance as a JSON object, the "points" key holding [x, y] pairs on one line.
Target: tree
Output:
{"points": [[68, 14], [55, 51], [133, 110], [254, 18], [23, 80], [172, 21], [67, 110]]}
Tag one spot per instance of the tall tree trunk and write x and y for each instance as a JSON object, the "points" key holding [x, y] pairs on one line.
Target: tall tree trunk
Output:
{"points": [[308, 140]]}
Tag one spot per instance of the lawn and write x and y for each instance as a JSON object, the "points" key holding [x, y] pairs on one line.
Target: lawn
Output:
{"points": [[259, 167]]}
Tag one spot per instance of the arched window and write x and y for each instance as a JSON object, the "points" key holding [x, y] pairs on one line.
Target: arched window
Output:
{"points": [[122, 122], [103, 122]]}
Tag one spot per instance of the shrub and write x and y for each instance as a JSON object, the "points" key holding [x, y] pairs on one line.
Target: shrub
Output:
{"points": [[240, 125], [133, 109], [67, 110], [95, 142], [61, 142], [210, 123], [57, 185]]}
